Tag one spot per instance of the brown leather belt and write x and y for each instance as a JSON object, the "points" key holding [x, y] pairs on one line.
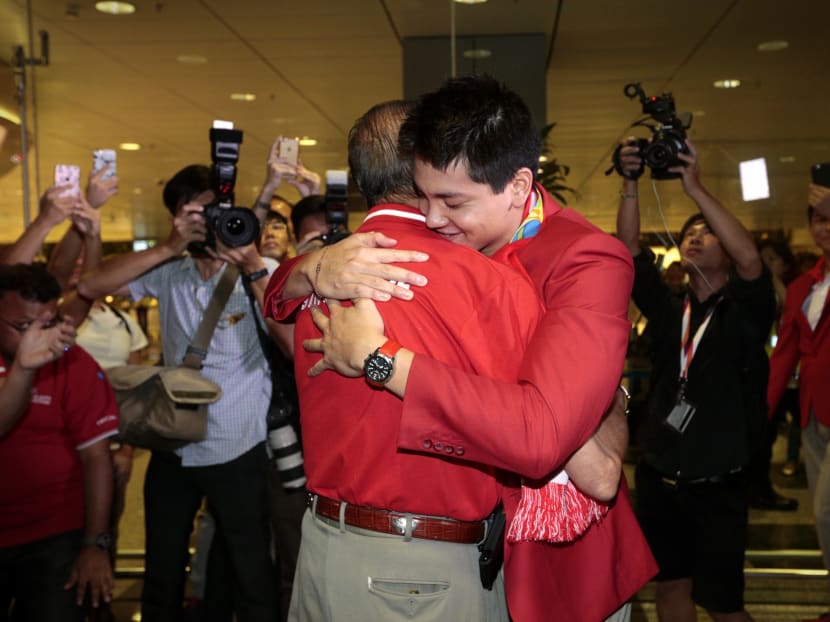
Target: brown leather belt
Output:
{"points": [[394, 523]]}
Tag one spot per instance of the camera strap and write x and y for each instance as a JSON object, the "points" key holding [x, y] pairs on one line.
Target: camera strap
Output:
{"points": [[198, 348], [283, 391]]}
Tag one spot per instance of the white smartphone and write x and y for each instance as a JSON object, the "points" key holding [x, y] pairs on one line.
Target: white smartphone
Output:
{"points": [[102, 158], [68, 174], [287, 150]]}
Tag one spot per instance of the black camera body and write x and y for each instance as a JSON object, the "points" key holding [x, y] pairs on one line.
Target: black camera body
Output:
{"points": [[233, 226], [668, 137], [337, 213]]}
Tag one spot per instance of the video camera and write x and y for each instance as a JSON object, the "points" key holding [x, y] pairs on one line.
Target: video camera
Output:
{"points": [[668, 135], [337, 213], [233, 226]]}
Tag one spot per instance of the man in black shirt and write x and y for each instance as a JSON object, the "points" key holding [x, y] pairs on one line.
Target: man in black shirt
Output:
{"points": [[707, 410]]}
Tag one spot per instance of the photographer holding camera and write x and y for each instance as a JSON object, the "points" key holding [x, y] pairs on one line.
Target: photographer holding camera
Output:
{"points": [[229, 467], [707, 411]]}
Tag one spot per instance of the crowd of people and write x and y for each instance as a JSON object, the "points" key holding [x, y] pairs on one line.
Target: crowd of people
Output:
{"points": [[456, 362]]}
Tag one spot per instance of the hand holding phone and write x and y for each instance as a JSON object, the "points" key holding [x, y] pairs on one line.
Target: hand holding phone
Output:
{"points": [[68, 174], [102, 158], [287, 150]]}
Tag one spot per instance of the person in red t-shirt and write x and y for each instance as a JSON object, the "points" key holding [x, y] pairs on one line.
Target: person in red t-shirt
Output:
{"points": [[57, 411], [479, 192]]}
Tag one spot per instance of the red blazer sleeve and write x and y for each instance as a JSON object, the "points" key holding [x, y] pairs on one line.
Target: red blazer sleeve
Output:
{"points": [[274, 306], [785, 356], [568, 375]]}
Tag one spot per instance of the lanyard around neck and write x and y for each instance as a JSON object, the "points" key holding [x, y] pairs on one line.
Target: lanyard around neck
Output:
{"points": [[688, 347]]}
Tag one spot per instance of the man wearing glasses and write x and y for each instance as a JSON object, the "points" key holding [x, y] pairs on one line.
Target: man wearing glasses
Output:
{"points": [[57, 411]]}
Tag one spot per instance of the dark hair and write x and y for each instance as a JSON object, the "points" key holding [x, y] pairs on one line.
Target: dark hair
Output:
{"points": [[691, 220], [380, 173], [782, 249], [305, 207], [185, 185], [477, 121], [275, 215], [31, 281], [810, 211]]}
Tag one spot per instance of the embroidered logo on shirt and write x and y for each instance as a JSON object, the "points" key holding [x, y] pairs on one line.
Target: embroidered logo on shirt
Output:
{"points": [[43, 400]]}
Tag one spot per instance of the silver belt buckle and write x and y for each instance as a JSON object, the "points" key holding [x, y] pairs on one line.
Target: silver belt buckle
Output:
{"points": [[399, 524]]}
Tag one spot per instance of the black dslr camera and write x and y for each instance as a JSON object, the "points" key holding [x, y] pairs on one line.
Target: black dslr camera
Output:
{"points": [[233, 226], [337, 213], [668, 135]]}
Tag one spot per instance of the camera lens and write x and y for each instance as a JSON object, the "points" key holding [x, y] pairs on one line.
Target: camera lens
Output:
{"points": [[659, 155], [236, 226]]}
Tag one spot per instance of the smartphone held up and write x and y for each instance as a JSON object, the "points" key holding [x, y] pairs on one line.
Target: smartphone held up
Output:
{"points": [[820, 174], [104, 158], [68, 174]]}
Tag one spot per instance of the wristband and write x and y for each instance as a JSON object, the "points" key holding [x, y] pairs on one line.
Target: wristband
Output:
{"points": [[255, 276]]}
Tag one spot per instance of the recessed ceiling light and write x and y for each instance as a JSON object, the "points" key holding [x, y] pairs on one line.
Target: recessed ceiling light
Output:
{"points": [[477, 53], [305, 141], [773, 46], [243, 97], [471, 1], [129, 146], [730, 83], [115, 8], [191, 59], [786, 159]]}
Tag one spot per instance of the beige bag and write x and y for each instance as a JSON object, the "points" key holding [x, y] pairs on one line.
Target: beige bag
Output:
{"points": [[165, 408], [162, 408]]}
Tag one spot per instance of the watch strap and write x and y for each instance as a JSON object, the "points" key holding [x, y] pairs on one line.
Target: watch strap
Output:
{"points": [[255, 276], [389, 348]]}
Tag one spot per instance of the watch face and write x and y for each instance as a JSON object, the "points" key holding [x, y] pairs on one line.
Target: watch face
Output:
{"points": [[104, 541], [378, 369]]}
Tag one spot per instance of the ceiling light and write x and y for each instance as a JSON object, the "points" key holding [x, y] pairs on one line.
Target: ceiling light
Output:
{"points": [[477, 53], [471, 1], [305, 141], [129, 146], [115, 8], [243, 97], [730, 83], [773, 46], [786, 159], [191, 59]]}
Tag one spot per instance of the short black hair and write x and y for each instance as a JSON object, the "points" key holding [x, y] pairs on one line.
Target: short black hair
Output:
{"points": [[691, 220], [185, 185], [810, 211], [305, 207], [379, 172], [477, 121], [32, 281], [272, 214]]}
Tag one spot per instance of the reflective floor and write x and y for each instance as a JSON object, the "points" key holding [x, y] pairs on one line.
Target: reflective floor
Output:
{"points": [[785, 578]]}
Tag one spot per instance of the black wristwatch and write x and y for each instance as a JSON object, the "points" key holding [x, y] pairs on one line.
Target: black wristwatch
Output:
{"points": [[103, 541], [255, 276], [380, 364]]}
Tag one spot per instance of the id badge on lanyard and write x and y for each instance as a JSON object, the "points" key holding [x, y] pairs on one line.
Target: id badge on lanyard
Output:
{"points": [[683, 411]]}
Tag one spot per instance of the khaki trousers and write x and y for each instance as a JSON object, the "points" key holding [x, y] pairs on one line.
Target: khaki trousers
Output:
{"points": [[345, 574]]}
